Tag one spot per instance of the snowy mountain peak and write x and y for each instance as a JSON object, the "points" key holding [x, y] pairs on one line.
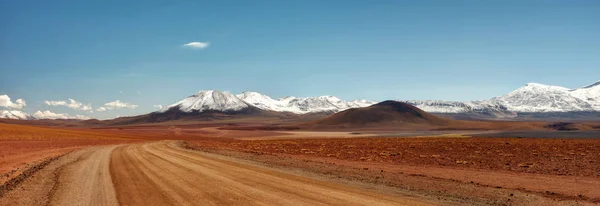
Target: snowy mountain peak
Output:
{"points": [[533, 84], [590, 93], [330, 98], [213, 100], [536, 97], [541, 87], [253, 95], [531, 98], [204, 100], [287, 99]]}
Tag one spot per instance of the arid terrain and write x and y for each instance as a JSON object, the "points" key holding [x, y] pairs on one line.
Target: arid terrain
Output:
{"points": [[299, 103], [209, 165]]}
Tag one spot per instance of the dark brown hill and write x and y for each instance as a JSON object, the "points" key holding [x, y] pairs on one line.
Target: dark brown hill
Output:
{"points": [[174, 114], [391, 114]]}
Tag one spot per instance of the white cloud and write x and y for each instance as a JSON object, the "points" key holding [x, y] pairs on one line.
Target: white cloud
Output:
{"points": [[119, 104], [78, 116], [51, 115], [158, 106], [197, 45], [55, 103], [116, 105], [5, 102], [73, 104]]}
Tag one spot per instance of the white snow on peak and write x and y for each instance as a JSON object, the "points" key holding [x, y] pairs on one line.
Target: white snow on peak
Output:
{"points": [[214, 100], [301, 105], [481, 107], [533, 97], [540, 87], [590, 93], [225, 101], [264, 102], [15, 114]]}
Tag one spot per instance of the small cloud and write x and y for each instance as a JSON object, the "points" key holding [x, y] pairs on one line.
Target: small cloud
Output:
{"points": [[5, 102], [51, 115], [116, 105], [55, 103], [73, 104], [158, 106], [119, 104], [78, 116], [197, 45]]}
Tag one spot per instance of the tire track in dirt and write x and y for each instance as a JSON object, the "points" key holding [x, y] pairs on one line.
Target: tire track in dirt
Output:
{"points": [[162, 174], [86, 181], [81, 177]]}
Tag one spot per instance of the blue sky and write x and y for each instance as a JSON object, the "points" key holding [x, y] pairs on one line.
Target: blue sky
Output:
{"points": [[132, 50]]}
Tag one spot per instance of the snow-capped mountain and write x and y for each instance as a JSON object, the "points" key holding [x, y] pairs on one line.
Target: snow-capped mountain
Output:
{"points": [[535, 97], [325, 104], [301, 105], [15, 114], [531, 98], [209, 100], [263, 102], [224, 101], [590, 93], [481, 107]]}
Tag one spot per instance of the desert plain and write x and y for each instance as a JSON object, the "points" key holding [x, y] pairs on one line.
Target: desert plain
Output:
{"points": [[217, 164]]}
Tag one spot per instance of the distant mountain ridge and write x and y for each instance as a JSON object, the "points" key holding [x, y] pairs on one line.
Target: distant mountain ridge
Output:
{"points": [[533, 99], [213, 100]]}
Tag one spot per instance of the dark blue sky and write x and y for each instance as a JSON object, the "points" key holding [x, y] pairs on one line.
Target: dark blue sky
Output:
{"points": [[132, 50]]}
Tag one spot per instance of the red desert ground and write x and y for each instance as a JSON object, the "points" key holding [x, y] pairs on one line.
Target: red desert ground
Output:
{"points": [[389, 153]]}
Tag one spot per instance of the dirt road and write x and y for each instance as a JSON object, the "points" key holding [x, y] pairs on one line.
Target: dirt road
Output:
{"points": [[87, 181], [161, 173], [78, 178]]}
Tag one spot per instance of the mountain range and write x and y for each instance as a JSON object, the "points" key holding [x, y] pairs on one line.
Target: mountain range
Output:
{"points": [[530, 101], [212, 100]]}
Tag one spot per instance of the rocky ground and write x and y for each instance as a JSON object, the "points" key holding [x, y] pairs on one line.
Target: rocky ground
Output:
{"points": [[490, 168]]}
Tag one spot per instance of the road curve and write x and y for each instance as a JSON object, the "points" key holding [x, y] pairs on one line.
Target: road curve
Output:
{"points": [[78, 178], [160, 173], [87, 181]]}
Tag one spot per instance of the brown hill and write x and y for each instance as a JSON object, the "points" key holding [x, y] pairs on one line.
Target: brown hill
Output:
{"points": [[174, 114], [388, 114]]}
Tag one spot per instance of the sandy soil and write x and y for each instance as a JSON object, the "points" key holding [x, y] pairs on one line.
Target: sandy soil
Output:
{"points": [[57, 166], [79, 178], [22, 147], [86, 181], [572, 157], [566, 169], [306, 135], [160, 174]]}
